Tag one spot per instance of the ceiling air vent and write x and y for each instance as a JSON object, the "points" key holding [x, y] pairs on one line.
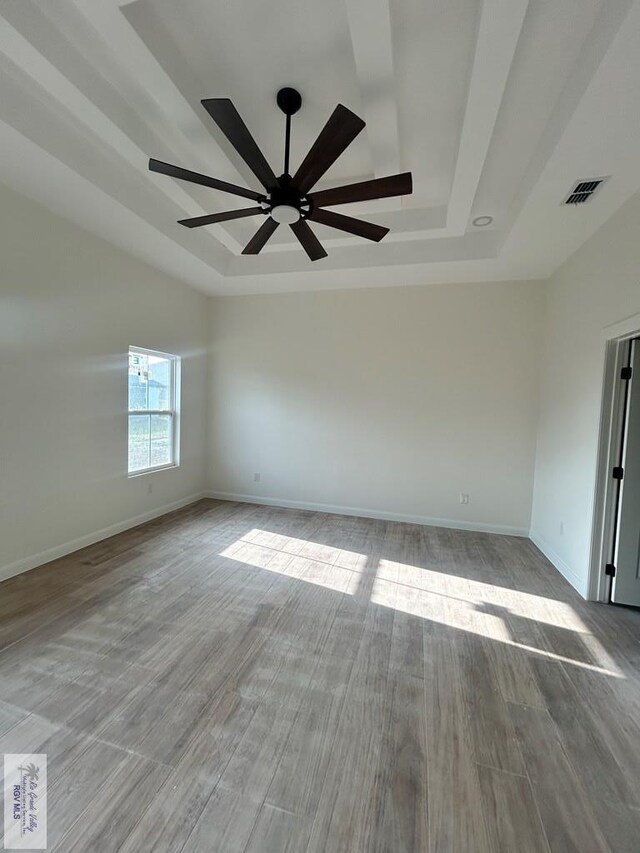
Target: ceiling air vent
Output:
{"points": [[583, 190]]}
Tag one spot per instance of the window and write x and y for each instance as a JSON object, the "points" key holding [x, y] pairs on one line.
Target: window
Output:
{"points": [[154, 379]]}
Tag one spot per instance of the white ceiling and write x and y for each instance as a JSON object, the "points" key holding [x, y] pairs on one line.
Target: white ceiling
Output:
{"points": [[495, 106]]}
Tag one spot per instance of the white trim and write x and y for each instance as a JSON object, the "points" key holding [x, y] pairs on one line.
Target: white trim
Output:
{"points": [[144, 471], [627, 328], [385, 515], [613, 337], [32, 562], [577, 582], [172, 412], [151, 412], [605, 488]]}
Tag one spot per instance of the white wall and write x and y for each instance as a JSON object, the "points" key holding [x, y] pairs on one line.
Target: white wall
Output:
{"points": [[70, 306], [597, 287], [381, 401]]}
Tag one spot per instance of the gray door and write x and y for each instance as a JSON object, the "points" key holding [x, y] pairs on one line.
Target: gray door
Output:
{"points": [[626, 583]]}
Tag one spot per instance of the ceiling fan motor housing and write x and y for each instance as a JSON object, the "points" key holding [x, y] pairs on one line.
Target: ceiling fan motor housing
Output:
{"points": [[284, 198]]}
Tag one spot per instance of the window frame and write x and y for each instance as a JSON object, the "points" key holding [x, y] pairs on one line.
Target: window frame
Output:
{"points": [[173, 411]]}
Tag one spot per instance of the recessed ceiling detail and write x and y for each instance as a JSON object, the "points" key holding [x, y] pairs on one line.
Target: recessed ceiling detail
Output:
{"points": [[494, 105]]}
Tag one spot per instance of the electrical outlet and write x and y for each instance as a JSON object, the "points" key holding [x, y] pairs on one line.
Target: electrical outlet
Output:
{"points": [[256, 477], [149, 487], [464, 498], [562, 528]]}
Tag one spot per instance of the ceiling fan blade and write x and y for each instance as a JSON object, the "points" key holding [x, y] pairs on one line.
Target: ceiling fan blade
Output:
{"points": [[308, 240], [205, 180], [210, 218], [228, 119], [378, 188], [338, 133], [256, 243], [347, 223]]}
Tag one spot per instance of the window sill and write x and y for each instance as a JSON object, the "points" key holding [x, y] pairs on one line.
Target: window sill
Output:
{"points": [[144, 471]]}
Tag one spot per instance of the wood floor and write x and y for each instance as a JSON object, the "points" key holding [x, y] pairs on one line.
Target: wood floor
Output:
{"points": [[242, 678]]}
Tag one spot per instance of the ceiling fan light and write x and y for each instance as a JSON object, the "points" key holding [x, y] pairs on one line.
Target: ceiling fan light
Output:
{"points": [[285, 214]]}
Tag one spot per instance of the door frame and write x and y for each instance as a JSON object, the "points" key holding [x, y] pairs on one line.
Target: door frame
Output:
{"points": [[617, 340]]}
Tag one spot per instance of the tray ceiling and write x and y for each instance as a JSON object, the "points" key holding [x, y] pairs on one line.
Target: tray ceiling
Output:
{"points": [[496, 106]]}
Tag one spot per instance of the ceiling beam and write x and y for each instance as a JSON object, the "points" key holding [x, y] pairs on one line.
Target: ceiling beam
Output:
{"points": [[545, 230], [178, 124], [498, 33], [43, 105], [370, 30], [40, 176], [98, 26], [594, 53]]}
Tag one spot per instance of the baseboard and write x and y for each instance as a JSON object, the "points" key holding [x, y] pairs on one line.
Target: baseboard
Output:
{"points": [[478, 527], [35, 560], [557, 562]]}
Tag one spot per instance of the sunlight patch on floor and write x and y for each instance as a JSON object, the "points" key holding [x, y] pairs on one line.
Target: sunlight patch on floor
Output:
{"points": [[504, 615], [494, 612], [518, 604], [297, 559]]}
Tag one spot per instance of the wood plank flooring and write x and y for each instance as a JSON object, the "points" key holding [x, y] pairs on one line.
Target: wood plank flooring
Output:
{"points": [[242, 678]]}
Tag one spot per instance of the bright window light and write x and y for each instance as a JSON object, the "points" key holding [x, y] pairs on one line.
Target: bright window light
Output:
{"points": [[154, 383]]}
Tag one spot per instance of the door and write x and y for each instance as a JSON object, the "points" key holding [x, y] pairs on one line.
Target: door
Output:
{"points": [[626, 582]]}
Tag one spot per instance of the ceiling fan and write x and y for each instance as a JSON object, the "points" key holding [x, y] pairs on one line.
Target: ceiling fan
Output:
{"points": [[287, 199]]}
